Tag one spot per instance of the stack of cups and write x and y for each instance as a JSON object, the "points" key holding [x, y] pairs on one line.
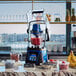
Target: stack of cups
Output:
{"points": [[55, 48]]}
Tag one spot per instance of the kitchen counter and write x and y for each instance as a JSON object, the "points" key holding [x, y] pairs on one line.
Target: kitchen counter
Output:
{"points": [[40, 71], [43, 70]]}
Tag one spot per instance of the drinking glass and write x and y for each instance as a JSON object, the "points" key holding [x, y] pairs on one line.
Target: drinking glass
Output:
{"points": [[14, 56]]}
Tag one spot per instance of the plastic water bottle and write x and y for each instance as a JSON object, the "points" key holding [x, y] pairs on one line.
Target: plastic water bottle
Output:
{"points": [[57, 66]]}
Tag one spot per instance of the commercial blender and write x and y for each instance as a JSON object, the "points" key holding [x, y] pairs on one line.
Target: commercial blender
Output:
{"points": [[36, 50]]}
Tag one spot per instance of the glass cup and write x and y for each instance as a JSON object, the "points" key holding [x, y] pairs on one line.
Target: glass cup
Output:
{"points": [[2, 66], [14, 56]]}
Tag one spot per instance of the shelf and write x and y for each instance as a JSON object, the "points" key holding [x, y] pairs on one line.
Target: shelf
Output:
{"points": [[13, 22], [27, 22], [64, 53], [62, 22], [37, 0], [18, 1]]}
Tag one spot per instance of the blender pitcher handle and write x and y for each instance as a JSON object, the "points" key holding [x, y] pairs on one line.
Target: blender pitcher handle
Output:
{"points": [[47, 34]]}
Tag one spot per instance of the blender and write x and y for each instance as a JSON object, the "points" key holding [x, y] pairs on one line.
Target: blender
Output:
{"points": [[36, 50]]}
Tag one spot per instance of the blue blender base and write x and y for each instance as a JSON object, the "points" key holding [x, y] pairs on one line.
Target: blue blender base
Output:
{"points": [[36, 56]]}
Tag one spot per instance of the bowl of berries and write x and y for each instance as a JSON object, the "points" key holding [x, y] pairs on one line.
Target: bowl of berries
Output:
{"points": [[64, 65]]}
